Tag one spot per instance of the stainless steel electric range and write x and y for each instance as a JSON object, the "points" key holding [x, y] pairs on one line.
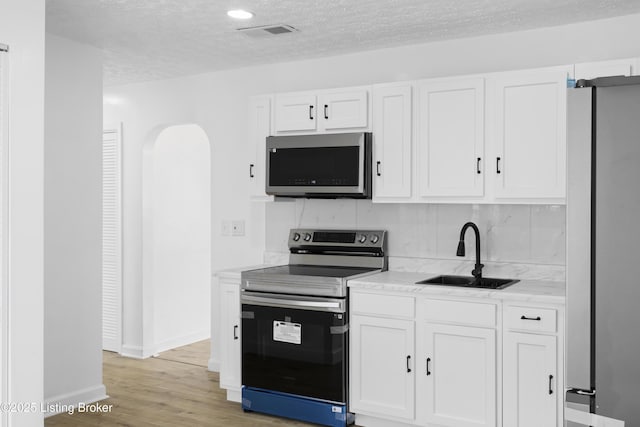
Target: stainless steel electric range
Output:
{"points": [[295, 325]]}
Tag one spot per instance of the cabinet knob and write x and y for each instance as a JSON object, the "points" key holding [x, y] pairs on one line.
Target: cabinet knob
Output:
{"points": [[235, 332], [550, 380], [326, 111], [251, 175], [310, 112], [478, 165], [498, 165], [408, 363], [378, 168], [428, 369]]}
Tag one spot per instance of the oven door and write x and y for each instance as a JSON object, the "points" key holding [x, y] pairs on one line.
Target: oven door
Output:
{"points": [[295, 344]]}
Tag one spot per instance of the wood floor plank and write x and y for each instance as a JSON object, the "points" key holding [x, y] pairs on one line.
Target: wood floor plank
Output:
{"points": [[172, 390]]}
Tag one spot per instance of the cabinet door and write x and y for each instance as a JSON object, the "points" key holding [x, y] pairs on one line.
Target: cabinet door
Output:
{"points": [[456, 376], [230, 357], [592, 70], [381, 367], [344, 110], [259, 129], [530, 378], [392, 142], [529, 135], [450, 143], [295, 112]]}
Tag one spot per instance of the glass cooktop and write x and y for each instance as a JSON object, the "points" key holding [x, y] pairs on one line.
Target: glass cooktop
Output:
{"points": [[313, 270]]}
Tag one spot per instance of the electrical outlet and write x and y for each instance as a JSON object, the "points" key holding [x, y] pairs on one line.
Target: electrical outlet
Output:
{"points": [[225, 228], [237, 227]]}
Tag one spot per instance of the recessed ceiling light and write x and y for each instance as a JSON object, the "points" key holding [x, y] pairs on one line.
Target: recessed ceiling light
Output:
{"points": [[240, 14]]}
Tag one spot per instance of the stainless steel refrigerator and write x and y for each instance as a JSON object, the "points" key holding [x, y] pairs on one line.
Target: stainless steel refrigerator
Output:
{"points": [[603, 249]]}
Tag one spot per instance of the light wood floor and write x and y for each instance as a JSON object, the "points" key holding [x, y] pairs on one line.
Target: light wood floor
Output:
{"points": [[173, 390]]}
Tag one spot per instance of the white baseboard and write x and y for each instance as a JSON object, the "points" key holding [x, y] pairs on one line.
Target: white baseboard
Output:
{"points": [[65, 402], [133, 351], [368, 421], [183, 340], [139, 352], [234, 395], [213, 365]]}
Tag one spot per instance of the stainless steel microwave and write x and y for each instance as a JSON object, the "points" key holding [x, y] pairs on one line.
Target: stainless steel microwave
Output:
{"points": [[319, 166]]}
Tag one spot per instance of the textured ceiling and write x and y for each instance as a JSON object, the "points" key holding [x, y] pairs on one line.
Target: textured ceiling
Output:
{"points": [[147, 40]]}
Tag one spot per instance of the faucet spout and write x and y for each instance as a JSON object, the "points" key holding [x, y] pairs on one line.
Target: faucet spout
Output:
{"points": [[477, 271]]}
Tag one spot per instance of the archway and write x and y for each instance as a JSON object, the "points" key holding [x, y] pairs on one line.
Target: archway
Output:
{"points": [[176, 238]]}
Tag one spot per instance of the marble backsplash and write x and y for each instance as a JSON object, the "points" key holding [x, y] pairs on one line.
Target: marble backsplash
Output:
{"points": [[526, 241]]}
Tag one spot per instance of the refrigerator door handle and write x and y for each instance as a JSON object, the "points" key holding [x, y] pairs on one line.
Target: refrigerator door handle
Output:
{"points": [[584, 392], [578, 234]]}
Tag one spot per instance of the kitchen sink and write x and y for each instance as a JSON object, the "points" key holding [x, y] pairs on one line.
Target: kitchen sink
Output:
{"points": [[469, 282]]}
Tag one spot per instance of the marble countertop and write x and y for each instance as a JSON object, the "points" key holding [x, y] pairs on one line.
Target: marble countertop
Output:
{"points": [[524, 291]]}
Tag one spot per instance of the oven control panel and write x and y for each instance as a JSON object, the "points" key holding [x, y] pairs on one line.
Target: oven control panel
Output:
{"points": [[342, 238]]}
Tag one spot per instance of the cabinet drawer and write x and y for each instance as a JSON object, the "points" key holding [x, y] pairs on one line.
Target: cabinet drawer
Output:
{"points": [[470, 313], [531, 319], [382, 305]]}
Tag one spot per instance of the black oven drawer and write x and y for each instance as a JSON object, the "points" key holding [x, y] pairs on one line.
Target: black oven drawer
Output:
{"points": [[299, 347]]}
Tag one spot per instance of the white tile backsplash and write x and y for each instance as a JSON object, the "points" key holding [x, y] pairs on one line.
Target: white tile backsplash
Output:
{"points": [[319, 213], [507, 231], [548, 240], [512, 236]]}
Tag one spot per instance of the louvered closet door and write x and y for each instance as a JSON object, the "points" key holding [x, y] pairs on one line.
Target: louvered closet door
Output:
{"points": [[111, 241]]}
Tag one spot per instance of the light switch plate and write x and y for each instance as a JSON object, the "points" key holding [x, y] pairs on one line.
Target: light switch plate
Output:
{"points": [[225, 228], [237, 227]]}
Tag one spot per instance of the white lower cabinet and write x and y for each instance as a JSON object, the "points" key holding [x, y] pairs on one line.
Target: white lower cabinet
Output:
{"points": [[472, 362], [456, 382], [382, 366], [230, 356], [533, 384], [530, 380]]}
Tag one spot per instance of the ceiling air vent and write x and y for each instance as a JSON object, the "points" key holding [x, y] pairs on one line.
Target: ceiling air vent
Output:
{"points": [[267, 30]]}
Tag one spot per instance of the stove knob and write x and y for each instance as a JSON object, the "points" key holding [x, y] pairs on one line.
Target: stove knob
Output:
{"points": [[307, 237], [296, 237], [374, 238], [362, 238]]}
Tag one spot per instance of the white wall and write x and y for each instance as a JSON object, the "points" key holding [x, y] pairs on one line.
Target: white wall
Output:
{"points": [[176, 237], [218, 103], [73, 223], [22, 28]]}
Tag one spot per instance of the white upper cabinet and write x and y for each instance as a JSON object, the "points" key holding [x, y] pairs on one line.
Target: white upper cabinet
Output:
{"points": [[259, 129], [450, 142], [392, 118], [336, 110], [592, 70], [295, 112], [344, 110], [528, 134]]}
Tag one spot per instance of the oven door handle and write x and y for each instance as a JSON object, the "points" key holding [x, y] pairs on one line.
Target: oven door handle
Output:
{"points": [[296, 303]]}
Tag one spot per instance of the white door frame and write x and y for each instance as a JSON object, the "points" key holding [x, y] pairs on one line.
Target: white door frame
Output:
{"points": [[112, 238], [4, 229]]}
